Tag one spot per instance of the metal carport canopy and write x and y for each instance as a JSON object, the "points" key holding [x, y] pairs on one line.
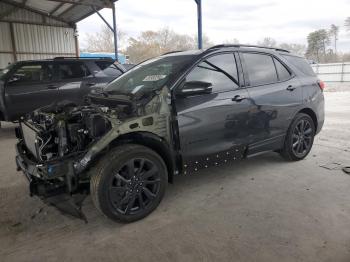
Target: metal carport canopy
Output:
{"points": [[70, 12]]}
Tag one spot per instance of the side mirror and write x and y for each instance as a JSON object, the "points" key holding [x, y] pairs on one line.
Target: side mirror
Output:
{"points": [[195, 88]]}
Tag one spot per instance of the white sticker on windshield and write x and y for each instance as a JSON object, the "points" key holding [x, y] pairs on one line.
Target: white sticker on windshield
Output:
{"points": [[136, 89], [153, 78]]}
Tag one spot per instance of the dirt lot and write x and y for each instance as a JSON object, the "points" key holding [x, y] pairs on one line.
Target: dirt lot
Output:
{"points": [[260, 209]]}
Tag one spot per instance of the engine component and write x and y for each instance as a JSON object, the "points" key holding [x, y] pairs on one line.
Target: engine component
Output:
{"points": [[57, 131]]}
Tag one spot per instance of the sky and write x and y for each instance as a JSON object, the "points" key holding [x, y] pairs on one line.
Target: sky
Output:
{"points": [[249, 21]]}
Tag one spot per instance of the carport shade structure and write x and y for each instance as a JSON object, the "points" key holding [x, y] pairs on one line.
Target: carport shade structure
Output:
{"points": [[70, 12]]}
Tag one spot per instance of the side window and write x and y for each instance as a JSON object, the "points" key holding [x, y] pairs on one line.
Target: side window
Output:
{"points": [[301, 64], [260, 68], [32, 73], [282, 71], [72, 70], [219, 70]]}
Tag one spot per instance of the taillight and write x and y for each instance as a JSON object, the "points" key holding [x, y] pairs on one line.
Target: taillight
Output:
{"points": [[321, 84]]}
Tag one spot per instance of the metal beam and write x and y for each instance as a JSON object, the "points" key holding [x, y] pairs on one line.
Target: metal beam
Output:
{"points": [[115, 32], [101, 4], [56, 8], [199, 18], [19, 5], [103, 19], [13, 43]]}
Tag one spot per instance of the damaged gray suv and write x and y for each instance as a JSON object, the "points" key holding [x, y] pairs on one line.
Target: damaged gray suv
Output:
{"points": [[175, 114]]}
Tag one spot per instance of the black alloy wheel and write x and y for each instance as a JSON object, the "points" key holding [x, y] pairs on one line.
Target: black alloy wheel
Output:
{"points": [[134, 186], [128, 183], [302, 138], [299, 138]]}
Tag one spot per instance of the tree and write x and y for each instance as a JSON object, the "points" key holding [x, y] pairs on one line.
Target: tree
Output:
{"points": [[347, 23], [294, 48], [154, 43], [317, 45], [268, 42], [334, 32], [103, 41]]}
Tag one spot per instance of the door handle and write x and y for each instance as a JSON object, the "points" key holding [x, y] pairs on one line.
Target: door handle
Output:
{"points": [[91, 84], [290, 88], [238, 98], [52, 87]]}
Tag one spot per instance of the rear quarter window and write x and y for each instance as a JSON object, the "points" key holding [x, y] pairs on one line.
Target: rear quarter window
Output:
{"points": [[301, 64]]}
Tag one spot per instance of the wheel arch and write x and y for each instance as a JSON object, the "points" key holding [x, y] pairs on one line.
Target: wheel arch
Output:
{"points": [[311, 113], [154, 142]]}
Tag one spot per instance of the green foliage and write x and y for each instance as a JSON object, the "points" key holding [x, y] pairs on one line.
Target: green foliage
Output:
{"points": [[317, 45]]}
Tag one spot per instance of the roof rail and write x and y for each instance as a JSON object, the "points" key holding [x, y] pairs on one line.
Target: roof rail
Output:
{"points": [[242, 45], [88, 57], [171, 52]]}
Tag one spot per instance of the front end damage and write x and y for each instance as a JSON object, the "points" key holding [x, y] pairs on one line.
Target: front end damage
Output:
{"points": [[58, 145]]}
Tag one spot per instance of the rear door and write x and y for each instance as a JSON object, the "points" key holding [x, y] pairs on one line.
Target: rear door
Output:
{"points": [[73, 80], [212, 126], [275, 96], [29, 87]]}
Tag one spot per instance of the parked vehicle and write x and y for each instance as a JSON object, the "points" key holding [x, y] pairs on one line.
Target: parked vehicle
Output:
{"points": [[171, 115], [28, 85]]}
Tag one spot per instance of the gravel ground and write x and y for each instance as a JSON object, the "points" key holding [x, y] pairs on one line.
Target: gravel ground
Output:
{"points": [[259, 209]]}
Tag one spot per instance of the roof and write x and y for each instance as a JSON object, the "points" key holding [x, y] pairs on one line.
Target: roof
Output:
{"points": [[66, 11]]}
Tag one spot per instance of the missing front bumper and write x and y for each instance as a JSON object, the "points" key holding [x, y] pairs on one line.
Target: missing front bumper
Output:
{"points": [[56, 190]]}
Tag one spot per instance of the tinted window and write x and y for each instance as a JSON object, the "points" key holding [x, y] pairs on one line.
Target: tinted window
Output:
{"points": [[219, 70], [261, 69], [150, 75], [282, 71], [72, 70], [33, 73], [301, 64], [107, 69]]}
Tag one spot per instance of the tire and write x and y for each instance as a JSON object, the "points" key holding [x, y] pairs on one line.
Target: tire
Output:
{"points": [[128, 183], [299, 138]]}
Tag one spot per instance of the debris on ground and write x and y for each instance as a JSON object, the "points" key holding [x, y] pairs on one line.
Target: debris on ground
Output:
{"points": [[16, 224], [346, 170], [332, 166], [37, 212]]}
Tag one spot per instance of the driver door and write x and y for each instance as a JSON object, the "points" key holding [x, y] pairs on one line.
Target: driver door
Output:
{"points": [[211, 125], [29, 87]]}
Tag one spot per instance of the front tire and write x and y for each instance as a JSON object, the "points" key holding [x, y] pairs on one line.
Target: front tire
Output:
{"points": [[129, 183], [299, 138]]}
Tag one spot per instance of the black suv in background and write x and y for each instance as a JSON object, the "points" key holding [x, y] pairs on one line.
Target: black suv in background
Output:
{"points": [[170, 115], [28, 85]]}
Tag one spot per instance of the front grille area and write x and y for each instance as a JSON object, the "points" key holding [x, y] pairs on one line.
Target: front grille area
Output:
{"points": [[30, 139]]}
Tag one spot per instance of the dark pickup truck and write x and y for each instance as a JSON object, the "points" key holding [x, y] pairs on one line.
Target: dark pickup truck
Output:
{"points": [[28, 85]]}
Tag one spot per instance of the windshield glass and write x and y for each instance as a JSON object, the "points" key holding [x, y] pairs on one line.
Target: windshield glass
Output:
{"points": [[3, 72], [150, 75]]}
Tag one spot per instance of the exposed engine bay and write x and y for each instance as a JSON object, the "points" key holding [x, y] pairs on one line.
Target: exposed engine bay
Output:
{"points": [[63, 130]]}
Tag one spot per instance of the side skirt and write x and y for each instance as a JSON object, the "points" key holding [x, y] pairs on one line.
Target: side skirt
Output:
{"points": [[194, 164]]}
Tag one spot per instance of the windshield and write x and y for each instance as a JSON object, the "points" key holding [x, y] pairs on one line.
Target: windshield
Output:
{"points": [[3, 72], [150, 75]]}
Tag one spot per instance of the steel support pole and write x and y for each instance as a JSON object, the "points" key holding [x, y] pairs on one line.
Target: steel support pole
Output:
{"points": [[199, 15], [115, 33]]}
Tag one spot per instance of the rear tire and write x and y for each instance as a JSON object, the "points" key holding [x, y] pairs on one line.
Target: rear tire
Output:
{"points": [[299, 138], [128, 183]]}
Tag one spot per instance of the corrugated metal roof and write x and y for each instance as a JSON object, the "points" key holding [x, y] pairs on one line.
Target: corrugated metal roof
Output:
{"points": [[63, 11]]}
